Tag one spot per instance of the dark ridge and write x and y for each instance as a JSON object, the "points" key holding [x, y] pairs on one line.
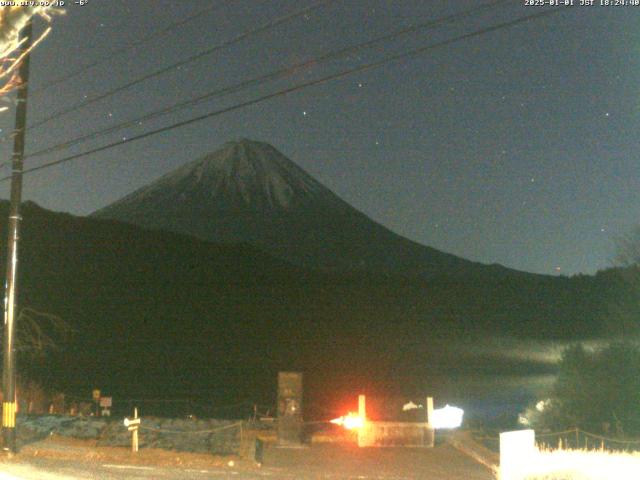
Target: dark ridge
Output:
{"points": [[157, 314]]}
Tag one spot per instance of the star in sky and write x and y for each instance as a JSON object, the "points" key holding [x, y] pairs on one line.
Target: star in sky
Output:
{"points": [[475, 104]]}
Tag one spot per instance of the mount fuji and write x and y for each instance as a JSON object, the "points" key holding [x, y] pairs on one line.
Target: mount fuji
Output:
{"points": [[249, 192]]}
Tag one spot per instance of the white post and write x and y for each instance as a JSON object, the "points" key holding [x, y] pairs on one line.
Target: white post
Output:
{"points": [[362, 413], [134, 433], [431, 432], [429, 410]]}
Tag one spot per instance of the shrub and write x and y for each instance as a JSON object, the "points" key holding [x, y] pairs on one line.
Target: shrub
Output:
{"points": [[595, 390]]}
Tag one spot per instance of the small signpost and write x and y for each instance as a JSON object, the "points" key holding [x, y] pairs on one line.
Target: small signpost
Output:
{"points": [[133, 425], [105, 404], [95, 394], [96, 399]]}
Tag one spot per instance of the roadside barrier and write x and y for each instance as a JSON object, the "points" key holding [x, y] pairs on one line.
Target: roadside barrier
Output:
{"points": [[193, 432], [577, 438], [191, 435]]}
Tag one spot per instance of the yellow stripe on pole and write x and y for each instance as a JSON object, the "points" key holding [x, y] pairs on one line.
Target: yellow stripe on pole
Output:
{"points": [[8, 414]]}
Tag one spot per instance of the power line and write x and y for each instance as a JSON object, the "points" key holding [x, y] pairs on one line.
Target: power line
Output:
{"points": [[267, 26], [369, 66], [153, 35], [270, 76]]}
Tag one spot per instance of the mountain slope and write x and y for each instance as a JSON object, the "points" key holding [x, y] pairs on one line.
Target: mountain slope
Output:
{"points": [[248, 192], [157, 314]]}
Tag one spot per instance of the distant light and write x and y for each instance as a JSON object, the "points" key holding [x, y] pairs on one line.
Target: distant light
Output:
{"points": [[447, 417], [410, 406], [350, 421], [4, 109]]}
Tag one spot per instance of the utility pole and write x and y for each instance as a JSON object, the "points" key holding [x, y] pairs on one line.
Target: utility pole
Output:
{"points": [[11, 288]]}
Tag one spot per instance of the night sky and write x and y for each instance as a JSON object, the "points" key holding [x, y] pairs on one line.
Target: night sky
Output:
{"points": [[519, 146]]}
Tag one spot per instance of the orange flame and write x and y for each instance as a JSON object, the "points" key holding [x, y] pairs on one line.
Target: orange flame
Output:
{"points": [[350, 421]]}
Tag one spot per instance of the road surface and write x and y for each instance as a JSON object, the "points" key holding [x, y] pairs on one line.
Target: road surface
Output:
{"points": [[329, 461]]}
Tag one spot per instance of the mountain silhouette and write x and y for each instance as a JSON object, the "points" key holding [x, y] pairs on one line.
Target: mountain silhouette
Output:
{"points": [[249, 192]]}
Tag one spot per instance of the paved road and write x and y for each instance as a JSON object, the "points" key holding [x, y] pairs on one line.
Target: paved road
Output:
{"points": [[68, 470], [323, 461]]}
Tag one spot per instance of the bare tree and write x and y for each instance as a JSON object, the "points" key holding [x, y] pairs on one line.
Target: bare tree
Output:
{"points": [[38, 332], [628, 249], [12, 20], [623, 313]]}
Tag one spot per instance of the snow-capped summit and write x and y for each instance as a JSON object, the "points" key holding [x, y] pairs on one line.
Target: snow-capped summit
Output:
{"points": [[243, 174], [258, 174], [249, 192]]}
